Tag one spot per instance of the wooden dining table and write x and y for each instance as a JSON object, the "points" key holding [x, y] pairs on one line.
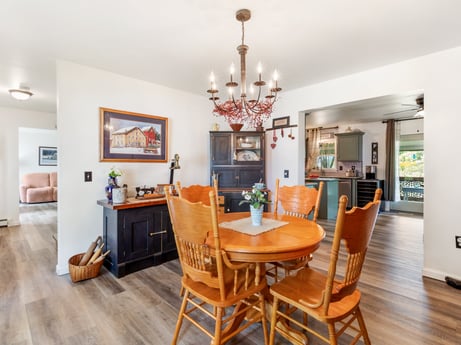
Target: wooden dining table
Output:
{"points": [[297, 238]]}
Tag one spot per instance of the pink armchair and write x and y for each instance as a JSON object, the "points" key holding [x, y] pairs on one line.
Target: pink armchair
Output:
{"points": [[39, 187]]}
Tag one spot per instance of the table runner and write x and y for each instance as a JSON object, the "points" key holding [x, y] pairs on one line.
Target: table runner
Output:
{"points": [[245, 226]]}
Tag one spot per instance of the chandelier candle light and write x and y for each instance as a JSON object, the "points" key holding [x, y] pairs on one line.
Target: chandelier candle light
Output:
{"points": [[252, 112]]}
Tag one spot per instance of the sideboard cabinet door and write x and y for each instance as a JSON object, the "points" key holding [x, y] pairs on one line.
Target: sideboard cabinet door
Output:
{"points": [[138, 238]]}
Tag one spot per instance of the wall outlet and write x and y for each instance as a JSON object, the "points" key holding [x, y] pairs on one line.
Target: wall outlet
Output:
{"points": [[286, 173], [88, 176], [458, 241]]}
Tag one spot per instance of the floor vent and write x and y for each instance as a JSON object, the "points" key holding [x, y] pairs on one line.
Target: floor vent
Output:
{"points": [[3, 223]]}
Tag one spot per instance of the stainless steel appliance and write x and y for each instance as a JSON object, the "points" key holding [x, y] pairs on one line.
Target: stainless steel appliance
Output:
{"points": [[370, 172], [345, 188]]}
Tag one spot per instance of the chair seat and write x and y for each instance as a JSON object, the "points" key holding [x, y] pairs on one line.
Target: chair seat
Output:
{"points": [[307, 288]]}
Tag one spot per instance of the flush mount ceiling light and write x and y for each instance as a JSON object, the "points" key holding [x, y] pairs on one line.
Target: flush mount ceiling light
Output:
{"points": [[244, 109], [21, 94]]}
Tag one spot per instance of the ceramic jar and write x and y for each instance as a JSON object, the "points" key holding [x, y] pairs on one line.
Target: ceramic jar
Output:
{"points": [[119, 195]]}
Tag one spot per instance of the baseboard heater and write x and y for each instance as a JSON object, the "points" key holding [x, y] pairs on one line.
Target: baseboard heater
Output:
{"points": [[3, 223]]}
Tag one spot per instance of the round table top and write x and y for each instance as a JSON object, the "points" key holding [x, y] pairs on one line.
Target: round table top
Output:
{"points": [[300, 237]]}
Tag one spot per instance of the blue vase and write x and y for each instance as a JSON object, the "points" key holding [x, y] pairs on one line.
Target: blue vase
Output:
{"points": [[256, 215], [111, 184]]}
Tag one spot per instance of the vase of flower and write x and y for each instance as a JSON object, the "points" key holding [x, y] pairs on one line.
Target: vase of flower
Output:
{"points": [[256, 197], [112, 183], [256, 215]]}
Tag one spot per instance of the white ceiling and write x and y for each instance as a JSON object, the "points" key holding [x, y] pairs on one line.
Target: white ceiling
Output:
{"points": [[178, 42]]}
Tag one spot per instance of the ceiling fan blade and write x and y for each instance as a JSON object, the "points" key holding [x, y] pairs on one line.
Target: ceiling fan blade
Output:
{"points": [[400, 111]]}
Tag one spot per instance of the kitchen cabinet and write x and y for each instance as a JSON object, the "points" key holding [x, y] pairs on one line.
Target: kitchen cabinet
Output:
{"points": [[330, 197], [237, 160], [366, 190], [349, 146], [138, 234], [233, 198]]}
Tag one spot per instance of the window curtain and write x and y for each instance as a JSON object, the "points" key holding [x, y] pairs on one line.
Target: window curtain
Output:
{"points": [[392, 183], [313, 148]]}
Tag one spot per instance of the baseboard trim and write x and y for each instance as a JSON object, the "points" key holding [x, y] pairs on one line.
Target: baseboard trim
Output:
{"points": [[439, 275]]}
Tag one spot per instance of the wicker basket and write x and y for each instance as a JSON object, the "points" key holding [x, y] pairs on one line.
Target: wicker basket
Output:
{"points": [[78, 273]]}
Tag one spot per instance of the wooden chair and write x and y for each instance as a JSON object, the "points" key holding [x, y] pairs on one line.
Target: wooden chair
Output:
{"points": [[327, 297], [298, 201], [196, 192], [210, 280]]}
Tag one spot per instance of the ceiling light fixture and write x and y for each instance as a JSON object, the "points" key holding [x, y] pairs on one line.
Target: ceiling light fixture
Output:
{"points": [[21, 94], [240, 111]]}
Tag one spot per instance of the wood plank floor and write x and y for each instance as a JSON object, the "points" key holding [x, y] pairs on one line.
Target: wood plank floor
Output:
{"points": [[39, 307]]}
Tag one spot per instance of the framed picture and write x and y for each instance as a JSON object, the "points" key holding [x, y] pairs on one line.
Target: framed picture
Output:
{"points": [[281, 122], [132, 137], [374, 153], [47, 155]]}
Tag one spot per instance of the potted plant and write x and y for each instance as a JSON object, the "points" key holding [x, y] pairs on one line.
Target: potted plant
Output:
{"points": [[112, 182], [256, 197]]}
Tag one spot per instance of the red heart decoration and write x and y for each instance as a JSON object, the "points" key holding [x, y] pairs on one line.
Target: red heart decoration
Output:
{"points": [[274, 138], [273, 145]]}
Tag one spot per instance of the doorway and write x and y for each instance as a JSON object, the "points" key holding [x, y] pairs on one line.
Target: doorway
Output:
{"points": [[369, 116]]}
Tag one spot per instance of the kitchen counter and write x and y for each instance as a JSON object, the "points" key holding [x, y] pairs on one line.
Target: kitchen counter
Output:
{"points": [[347, 185], [329, 199]]}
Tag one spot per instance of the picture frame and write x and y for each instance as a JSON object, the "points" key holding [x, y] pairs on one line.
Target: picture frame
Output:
{"points": [[132, 137], [281, 122], [374, 153], [47, 155]]}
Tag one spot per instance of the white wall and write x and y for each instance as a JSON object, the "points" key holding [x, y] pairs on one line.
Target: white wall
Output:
{"points": [[81, 91], [438, 75], [30, 139], [10, 121]]}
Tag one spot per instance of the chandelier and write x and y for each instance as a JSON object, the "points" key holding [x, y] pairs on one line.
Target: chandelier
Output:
{"points": [[246, 109]]}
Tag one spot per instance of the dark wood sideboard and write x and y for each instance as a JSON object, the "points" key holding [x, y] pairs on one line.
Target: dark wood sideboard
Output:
{"points": [[138, 234]]}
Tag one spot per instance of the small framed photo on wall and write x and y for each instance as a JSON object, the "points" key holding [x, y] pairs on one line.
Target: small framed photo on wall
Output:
{"points": [[47, 155], [374, 153]]}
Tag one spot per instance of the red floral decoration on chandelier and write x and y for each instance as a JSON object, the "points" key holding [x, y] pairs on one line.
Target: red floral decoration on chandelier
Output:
{"points": [[234, 112]]}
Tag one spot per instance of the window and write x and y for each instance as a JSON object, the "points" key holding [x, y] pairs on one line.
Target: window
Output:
{"points": [[327, 150], [326, 158], [321, 149], [411, 167]]}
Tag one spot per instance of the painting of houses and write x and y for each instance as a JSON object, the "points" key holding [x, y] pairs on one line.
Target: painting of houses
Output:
{"points": [[130, 136]]}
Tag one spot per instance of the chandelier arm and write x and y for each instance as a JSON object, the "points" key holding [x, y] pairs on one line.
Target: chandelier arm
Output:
{"points": [[217, 105], [235, 103], [250, 108], [259, 95], [255, 104]]}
